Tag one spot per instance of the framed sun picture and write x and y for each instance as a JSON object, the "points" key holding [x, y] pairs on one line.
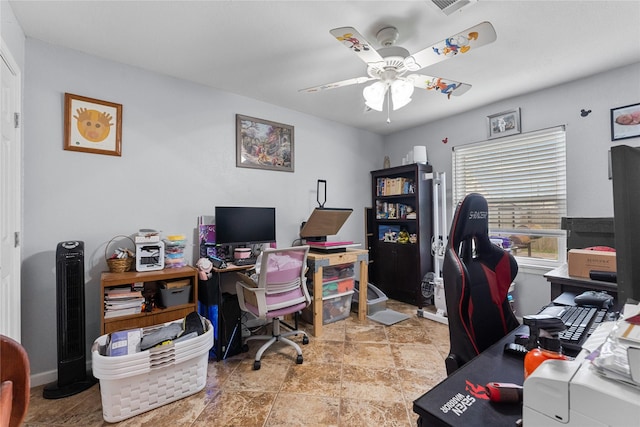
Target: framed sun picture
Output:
{"points": [[262, 144], [625, 122], [92, 126]]}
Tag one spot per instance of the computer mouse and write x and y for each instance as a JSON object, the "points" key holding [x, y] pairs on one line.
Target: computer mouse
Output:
{"points": [[598, 299]]}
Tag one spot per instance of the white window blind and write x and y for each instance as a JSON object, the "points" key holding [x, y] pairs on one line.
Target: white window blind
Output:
{"points": [[523, 178]]}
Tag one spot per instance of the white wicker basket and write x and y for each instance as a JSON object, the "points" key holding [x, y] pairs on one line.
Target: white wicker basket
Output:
{"points": [[136, 383]]}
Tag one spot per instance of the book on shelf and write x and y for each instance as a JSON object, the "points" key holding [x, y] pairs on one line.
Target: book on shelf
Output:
{"points": [[394, 186], [122, 304], [108, 314], [121, 293]]}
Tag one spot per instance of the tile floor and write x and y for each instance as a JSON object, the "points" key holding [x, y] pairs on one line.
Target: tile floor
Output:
{"points": [[356, 374]]}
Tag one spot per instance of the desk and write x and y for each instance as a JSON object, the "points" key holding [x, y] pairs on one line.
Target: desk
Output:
{"points": [[224, 313], [317, 260], [562, 282], [461, 399]]}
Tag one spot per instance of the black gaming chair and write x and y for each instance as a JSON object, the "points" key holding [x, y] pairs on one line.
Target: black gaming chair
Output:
{"points": [[477, 275]]}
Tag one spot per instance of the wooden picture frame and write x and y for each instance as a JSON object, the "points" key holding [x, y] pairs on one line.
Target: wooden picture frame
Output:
{"points": [[263, 144], [503, 124], [92, 125], [625, 122]]}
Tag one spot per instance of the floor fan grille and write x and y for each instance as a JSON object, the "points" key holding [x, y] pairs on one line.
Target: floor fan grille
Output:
{"points": [[71, 313]]}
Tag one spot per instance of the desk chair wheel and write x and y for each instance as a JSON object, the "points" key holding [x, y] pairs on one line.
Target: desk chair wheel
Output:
{"points": [[305, 340], [256, 365], [299, 359]]}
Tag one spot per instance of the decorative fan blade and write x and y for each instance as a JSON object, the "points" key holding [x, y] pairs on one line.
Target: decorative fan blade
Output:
{"points": [[447, 87], [342, 83], [353, 40], [471, 38]]}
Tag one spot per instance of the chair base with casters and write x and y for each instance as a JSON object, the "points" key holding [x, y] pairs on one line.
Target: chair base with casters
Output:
{"points": [[278, 336]]}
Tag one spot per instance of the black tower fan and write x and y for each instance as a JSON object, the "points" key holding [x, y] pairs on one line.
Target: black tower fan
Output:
{"points": [[72, 359]]}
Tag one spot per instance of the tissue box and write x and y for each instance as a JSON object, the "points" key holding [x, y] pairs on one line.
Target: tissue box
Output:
{"points": [[582, 261]]}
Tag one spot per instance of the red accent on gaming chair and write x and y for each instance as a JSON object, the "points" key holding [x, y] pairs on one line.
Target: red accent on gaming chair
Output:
{"points": [[477, 275]]}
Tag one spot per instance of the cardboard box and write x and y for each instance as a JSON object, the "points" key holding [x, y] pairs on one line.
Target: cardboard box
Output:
{"points": [[582, 261]]}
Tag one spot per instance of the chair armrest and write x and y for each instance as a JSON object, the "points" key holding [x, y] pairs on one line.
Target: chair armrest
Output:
{"points": [[247, 280], [249, 293]]}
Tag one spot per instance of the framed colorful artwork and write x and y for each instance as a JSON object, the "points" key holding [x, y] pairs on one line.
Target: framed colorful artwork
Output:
{"points": [[92, 126], [504, 124], [262, 144], [625, 122]]}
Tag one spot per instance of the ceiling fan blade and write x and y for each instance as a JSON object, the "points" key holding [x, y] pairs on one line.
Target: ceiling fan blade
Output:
{"points": [[355, 42], [471, 38], [447, 87], [342, 83]]}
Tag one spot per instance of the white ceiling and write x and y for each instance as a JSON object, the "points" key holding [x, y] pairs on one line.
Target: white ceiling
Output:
{"points": [[269, 50]]}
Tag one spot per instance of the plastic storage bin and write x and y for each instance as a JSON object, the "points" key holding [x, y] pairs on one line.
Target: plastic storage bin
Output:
{"points": [[336, 280], [175, 296], [376, 299], [334, 308], [140, 382]]}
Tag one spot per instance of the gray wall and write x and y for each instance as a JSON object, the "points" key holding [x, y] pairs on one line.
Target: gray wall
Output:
{"points": [[589, 190], [178, 162]]}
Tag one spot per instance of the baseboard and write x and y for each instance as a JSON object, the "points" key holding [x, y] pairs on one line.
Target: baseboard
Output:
{"points": [[433, 316], [47, 377]]}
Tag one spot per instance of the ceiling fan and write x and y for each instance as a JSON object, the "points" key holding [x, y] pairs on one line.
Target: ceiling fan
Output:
{"points": [[389, 65]]}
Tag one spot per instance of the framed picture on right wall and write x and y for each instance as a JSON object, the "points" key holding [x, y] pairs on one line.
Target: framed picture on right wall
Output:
{"points": [[625, 122]]}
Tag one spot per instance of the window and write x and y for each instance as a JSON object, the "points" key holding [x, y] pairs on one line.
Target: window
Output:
{"points": [[523, 178]]}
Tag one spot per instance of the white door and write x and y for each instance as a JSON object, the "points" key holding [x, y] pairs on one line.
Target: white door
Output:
{"points": [[10, 200]]}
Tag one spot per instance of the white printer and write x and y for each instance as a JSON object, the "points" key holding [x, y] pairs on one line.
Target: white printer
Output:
{"points": [[572, 393]]}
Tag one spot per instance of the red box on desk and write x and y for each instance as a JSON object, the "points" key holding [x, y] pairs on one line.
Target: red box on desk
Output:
{"points": [[582, 261]]}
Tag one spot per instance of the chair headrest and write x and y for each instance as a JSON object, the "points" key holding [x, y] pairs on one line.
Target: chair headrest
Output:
{"points": [[471, 219]]}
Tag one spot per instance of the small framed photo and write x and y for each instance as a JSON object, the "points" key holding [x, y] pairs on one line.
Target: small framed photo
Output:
{"points": [[625, 122], [262, 144], [503, 124], [92, 126]]}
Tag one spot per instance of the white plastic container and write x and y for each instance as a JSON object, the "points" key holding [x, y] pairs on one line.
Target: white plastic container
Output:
{"points": [[140, 382]]}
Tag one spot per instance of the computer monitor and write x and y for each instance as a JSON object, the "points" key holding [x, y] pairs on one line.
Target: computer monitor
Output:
{"points": [[625, 169], [243, 225]]}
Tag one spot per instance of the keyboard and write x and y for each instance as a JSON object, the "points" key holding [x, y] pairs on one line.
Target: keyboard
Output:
{"points": [[580, 323], [244, 261]]}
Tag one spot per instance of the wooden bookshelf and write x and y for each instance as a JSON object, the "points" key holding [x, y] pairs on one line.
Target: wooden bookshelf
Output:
{"points": [[150, 279]]}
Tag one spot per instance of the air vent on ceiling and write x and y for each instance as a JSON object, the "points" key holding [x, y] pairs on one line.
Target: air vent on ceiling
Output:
{"points": [[450, 6]]}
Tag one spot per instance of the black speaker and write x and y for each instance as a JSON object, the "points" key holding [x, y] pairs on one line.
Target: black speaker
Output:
{"points": [[230, 330]]}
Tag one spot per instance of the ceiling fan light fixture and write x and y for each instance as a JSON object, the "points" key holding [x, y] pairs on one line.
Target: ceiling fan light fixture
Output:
{"points": [[401, 91], [374, 95]]}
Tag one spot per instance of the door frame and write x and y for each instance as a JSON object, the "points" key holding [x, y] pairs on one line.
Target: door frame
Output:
{"points": [[11, 213]]}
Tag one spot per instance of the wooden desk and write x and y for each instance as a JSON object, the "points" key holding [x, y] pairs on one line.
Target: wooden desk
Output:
{"points": [[562, 282], [211, 295], [317, 260]]}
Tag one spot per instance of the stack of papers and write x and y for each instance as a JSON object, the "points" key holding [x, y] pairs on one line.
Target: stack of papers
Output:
{"points": [[617, 357], [122, 302]]}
